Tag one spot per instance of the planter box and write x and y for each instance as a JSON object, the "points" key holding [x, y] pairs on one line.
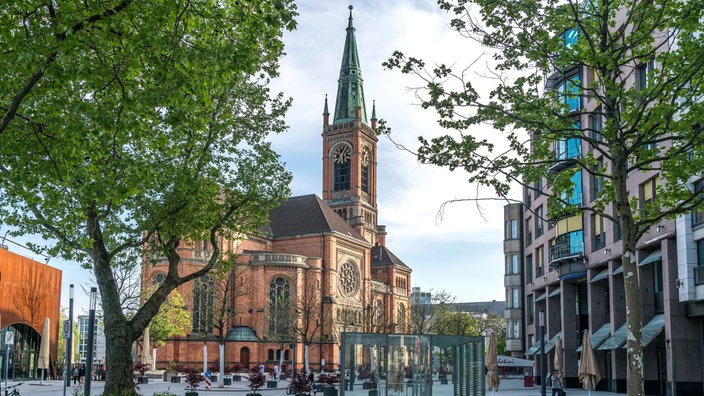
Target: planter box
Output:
{"points": [[175, 379], [227, 381], [443, 381], [213, 378], [366, 385], [373, 392], [237, 378], [191, 393], [272, 384], [142, 380], [254, 394], [329, 391]]}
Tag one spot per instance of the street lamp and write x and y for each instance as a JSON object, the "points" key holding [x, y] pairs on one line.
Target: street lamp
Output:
{"points": [[91, 338], [542, 353], [68, 341]]}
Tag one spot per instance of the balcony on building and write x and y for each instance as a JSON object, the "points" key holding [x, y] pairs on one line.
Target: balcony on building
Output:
{"points": [[567, 256]]}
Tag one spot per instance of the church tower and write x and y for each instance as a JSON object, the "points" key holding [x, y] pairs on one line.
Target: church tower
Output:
{"points": [[349, 148]]}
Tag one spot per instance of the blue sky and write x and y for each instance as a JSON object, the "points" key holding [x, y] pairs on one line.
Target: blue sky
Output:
{"points": [[460, 251]]}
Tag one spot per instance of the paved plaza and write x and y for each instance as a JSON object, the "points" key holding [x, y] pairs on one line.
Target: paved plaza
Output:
{"points": [[55, 388]]}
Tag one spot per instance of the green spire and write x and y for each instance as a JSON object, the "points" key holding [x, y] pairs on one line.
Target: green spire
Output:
{"points": [[373, 109], [325, 110], [350, 92]]}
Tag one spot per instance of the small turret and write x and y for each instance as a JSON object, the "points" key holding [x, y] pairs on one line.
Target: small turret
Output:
{"points": [[326, 113], [373, 119]]}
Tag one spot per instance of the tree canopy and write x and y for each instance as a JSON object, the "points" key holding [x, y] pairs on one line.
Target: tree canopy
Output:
{"points": [[139, 124], [600, 88]]}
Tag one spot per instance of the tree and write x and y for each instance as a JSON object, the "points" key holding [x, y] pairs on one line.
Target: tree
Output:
{"points": [[648, 118], [139, 125], [307, 327], [423, 316], [172, 320], [493, 323]]}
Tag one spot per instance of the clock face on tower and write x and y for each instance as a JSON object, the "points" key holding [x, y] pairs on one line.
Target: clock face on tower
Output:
{"points": [[342, 154]]}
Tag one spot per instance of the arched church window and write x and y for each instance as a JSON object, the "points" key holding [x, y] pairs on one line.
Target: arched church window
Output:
{"points": [[366, 165], [401, 318], [158, 279], [341, 167], [279, 308], [203, 296]]}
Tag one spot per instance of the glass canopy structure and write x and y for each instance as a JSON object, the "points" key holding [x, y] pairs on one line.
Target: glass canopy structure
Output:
{"points": [[374, 364]]}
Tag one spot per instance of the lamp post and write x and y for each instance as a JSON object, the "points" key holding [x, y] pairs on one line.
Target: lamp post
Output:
{"points": [[91, 339], [542, 353], [69, 341]]}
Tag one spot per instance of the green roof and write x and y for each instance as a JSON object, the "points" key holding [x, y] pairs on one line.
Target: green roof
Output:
{"points": [[350, 91], [241, 333]]}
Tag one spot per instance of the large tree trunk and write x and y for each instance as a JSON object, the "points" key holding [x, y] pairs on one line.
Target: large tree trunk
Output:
{"points": [[119, 364], [634, 310]]}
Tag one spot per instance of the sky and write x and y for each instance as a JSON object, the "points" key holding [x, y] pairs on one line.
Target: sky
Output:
{"points": [[459, 250]]}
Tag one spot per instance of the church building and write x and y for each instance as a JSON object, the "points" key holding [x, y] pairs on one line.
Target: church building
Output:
{"points": [[321, 267]]}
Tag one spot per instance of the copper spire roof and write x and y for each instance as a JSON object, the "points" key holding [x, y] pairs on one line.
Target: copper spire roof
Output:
{"points": [[350, 92]]}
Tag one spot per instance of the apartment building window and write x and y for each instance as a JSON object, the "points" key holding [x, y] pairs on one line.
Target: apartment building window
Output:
{"points": [[598, 234], [529, 198], [597, 178], [699, 269], [515, 298], [698, 214], [648, 193], [574, 199], [529, 268], [514, 264], [538, 188], [569, 92], [617, 226], [642, 73], [512, 229], [595, 125], [529, 232], [516, 329], [529, 310], [539, 261], [539, 221], [658, 293]]}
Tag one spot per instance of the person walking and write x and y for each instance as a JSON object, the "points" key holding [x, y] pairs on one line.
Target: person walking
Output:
{"points": [[82, 374], [74, 374], [276, 372], [261, 368], [555, 383]]}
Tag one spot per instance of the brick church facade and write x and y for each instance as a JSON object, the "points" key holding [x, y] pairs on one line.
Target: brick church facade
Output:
{"points": [[321, 267]]}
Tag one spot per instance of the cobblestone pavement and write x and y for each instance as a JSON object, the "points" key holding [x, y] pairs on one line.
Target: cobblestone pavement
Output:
{"points": [[55, 388]]}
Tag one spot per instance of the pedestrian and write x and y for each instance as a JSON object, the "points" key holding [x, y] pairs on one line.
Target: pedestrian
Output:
{"points": [[82, 374], [74, 375], [261, 368], [555, 383], [276, 372], [311, 380]]}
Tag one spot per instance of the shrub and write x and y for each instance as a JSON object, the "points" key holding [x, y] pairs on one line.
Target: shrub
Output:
{"points": [[214, 367], [328, 378], [300, 384], [256, 380], [194, 378]]}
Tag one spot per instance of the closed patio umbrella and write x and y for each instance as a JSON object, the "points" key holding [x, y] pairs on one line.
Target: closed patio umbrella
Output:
{"points": [[557, 362], [44, 359], [492, 365], [588, 373]]}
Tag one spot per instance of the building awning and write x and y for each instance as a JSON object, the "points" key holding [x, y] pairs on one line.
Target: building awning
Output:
{"points": [[616, 340], [551, 344], [554, 292], [652, 329], [656, 255], [534, 349], [618, 270], [599, 336], [541, 297], [600, 276]]}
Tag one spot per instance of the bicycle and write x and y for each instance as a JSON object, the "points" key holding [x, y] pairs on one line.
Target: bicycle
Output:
{"points": [[14, 392], [289, 389]]}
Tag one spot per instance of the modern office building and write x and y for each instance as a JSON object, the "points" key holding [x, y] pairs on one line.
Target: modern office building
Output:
{"points": [[98, 339]]}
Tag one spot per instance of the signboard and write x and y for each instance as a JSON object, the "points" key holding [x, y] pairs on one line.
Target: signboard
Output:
{"points": [[208, 374], [66, 330], [10, 338]]}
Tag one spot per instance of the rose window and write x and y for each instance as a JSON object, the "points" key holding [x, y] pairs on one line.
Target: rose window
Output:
{"points": [[349, 278]]}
